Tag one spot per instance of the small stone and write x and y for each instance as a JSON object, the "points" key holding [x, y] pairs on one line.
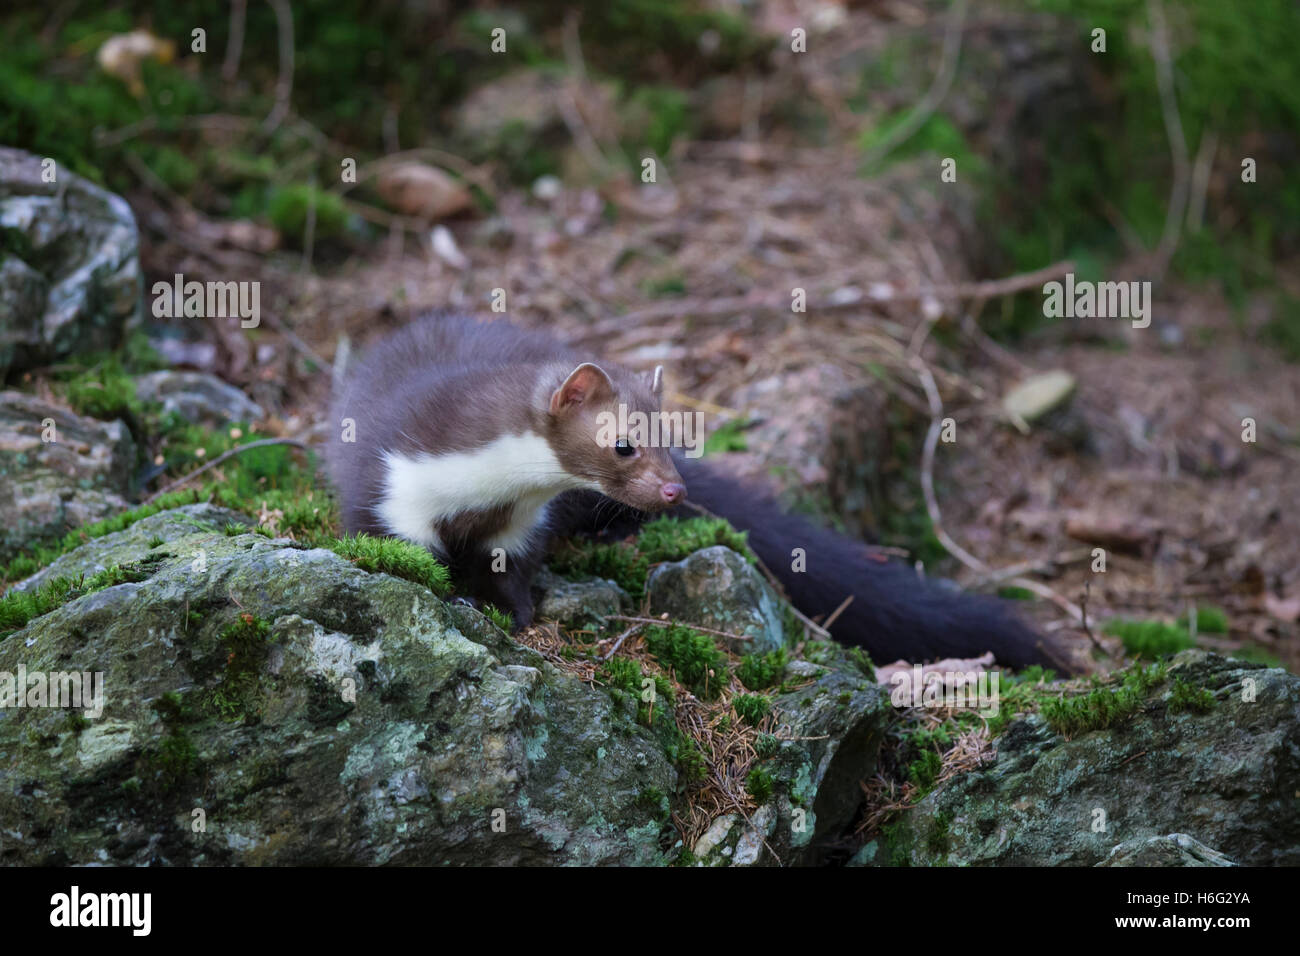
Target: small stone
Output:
{"points": [[198, 397], [547, 188]]}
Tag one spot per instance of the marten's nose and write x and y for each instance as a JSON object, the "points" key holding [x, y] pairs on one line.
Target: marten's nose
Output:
{"points": [[672, 492]]}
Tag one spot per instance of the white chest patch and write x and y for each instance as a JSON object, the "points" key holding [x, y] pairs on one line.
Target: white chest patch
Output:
{"points": [[423, 490]]}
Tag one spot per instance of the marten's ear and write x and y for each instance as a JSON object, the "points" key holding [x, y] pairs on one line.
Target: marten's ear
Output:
{"points": [[657, 382], [584, 383]]}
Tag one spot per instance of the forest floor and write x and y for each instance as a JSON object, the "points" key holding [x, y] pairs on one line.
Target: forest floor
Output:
{"points": [[696, 273]]}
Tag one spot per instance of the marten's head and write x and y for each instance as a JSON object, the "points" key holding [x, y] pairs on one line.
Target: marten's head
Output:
{"points": [[606, 427]]}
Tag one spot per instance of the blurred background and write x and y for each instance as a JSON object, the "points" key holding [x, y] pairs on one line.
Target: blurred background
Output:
{"points": [[655, 180]]}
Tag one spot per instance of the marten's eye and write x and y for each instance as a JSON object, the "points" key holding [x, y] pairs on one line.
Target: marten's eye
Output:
{"points": [[624, 449]]}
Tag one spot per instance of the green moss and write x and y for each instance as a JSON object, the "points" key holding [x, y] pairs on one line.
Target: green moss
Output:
{"points": [[399, 558], [104, 391], [663, 539], [76, 722], [862, 661], [929, 737], [1187, 697], [896, 839], [1103, 707], [761, 671], [938, 839], [672, 539], [248, 477], [17, 608], [43, 554], [1150, 639], [235, 698], [654, 801], [581, 559], [501, 619], [924, 771], [760, 783], [685, 858], [173, 708], [686, 756], [623, 673], [175, 759], [752, 708], [290, 207], [692, 657], [766, 745], [1019, 693], [1211, 620]]}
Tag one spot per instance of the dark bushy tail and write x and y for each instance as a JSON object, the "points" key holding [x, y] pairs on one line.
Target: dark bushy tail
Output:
{"points": [[895, 613]]}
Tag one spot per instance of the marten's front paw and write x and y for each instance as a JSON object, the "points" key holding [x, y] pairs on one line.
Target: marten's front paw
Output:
{"points": [[523, 616]]}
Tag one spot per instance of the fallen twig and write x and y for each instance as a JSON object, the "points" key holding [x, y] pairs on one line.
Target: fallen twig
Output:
{"points": [[665, 622]]}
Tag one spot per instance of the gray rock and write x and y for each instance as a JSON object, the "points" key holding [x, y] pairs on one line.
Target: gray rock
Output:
{"points": [[1174, 849], [578, 604], [49, 487], [719, 589], [137, 543], [372, 723], [69, 269], [828, 734], [198, 397], [1227, 778]]}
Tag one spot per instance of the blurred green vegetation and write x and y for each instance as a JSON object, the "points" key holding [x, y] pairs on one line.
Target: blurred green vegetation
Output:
{"points": [[1236, 78], [360, 66], [354, 65]]}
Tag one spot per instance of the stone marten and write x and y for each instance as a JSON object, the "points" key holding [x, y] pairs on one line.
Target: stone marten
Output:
{"points": [[481, 441]]}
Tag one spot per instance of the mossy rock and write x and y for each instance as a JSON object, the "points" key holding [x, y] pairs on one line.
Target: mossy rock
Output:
{"points": [[1226, 776], [315, 713], [717, 588], [49, 487], [71, 281], [827, 735]]}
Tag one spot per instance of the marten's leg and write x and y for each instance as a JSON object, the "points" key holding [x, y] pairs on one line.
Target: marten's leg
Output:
{"points": [[502, 581]]}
